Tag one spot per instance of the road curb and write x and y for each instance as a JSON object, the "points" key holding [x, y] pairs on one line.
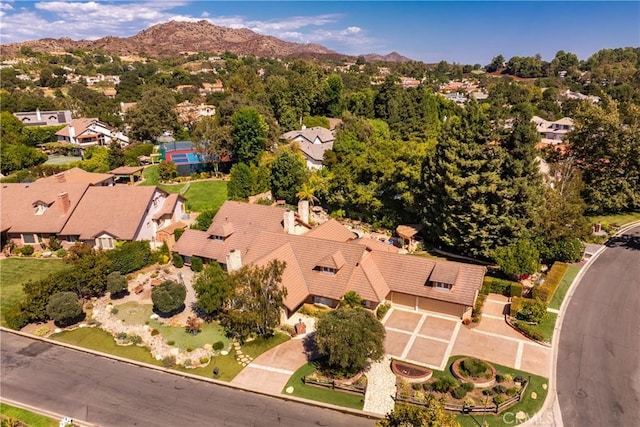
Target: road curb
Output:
{"points": [[44, 412], [551, 402], [283, 397]]}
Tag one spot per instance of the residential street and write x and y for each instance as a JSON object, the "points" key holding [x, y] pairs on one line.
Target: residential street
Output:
{"points": [[105, 392], [598, 357]]}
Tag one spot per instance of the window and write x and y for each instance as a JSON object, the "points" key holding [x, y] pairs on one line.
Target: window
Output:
{"points": [[442, 286], [40, 209], [105, 243], [327, 270], [28, 238], [218, 238]]}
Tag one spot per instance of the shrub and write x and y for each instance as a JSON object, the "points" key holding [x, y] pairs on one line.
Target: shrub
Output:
{"points": [[516, 303], [507, 377], [418, 395], [130, 256], [178, 262], [27, 250], [114, 310], [189, 349], [459, 393], [136, 339], [54, 244], [554, 277], [468, 386], [444, 385], [519, 379], [416, 386], [88, 306], [516, 289], [187, 363], [154, 332], [488, 392], [499, 378], [168, 297], [469, 402], [499, 399], [288, 329], [196, 264], [122, 336], [41, 331], [382, 311], [532, 311], [171, 342], [168, 361], [474, 368], [177, 233], [499, 389], [204, 360], [116, 284], [477, 308], [512, 391], [61, 253], [528, 330], [64, 308]]}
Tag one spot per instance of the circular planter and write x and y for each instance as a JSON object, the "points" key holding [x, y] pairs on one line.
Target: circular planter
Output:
{"points": [[349, 381], [410, 373], [477, 382]]}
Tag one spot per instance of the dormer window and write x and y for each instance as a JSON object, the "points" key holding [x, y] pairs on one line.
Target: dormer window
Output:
{"points": [[217, 238], [328, 270], [41, 208], [442, 286]]}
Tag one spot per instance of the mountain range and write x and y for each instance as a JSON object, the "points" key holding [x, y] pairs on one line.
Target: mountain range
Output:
{"points": [[173, 38]]}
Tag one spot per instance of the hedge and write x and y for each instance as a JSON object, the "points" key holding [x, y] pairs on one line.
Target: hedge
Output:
{"points": [[528, 330], [554, 277], [502, 287], [516, 304]]}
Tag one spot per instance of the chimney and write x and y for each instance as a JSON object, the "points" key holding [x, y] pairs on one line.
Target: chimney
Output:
{"points": [[234, 260], [303, 211], [38, 115], [289, 222], [304, 127], [65, 203], [72, 133], [60, 177]]}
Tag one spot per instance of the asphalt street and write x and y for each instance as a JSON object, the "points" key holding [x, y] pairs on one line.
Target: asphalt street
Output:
{"points": [[598, 366], [106, 392]]}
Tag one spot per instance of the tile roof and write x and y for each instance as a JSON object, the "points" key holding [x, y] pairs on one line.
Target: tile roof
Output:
{"points": [[18, 206], [409, 230], [335, 260], [168, 206], [332, 230], [445, 272], [376, 245], [126, 170], [117, 210], [77, 175], [310, 135], [314, 151], [79, 126]]}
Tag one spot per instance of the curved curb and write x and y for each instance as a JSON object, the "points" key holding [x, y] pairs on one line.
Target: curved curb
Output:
{"points": [[551, 402], [283, 397], [44, 412]]}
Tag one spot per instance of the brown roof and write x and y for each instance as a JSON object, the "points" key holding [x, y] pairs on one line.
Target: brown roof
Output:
{"points": [[335, 260], [79, 126], [445, 272], [77, 175], [332, 230], [19, 204], [376, 245], [367, 280], [118, 211], [408, 231], [126, 170], [169, 206], [173, 227], [222, 229]]}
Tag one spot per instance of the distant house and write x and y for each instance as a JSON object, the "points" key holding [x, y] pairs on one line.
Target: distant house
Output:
{"points": [[209, 88], [326, 262], [44, 118], [76, 211], [189, 113], [87, 132], [552, 133], [407, 82], [313, 143], [580, 96], [110, 93]]}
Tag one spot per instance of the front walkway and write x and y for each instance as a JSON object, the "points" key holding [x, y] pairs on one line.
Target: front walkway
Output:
{"points": [[381, 388]]}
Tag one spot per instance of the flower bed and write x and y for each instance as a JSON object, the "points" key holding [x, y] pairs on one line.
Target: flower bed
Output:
{"points": [[356, 384], [411, 373], [477, 372]]}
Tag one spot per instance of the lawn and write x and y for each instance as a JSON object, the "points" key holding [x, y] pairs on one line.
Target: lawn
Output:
{"points": [[546, 327], [616, 220], [27, 418], [200, 195], [16, 271], [565, 283], [134, 313], [320, 394], [527, 405], [99, 340]]}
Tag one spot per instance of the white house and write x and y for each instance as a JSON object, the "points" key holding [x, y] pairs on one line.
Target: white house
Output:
{"points": [[553, 133], [86, 132], [313, 143]]}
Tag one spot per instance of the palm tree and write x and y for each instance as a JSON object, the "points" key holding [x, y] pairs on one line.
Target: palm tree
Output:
{"points": [[352, 299], [307, 193]]}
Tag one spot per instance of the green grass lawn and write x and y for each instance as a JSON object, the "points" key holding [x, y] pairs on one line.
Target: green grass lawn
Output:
{"points": [[201, 195], [616, 220], [563, 287], [527, 405], [27, 418], [16, 271], [321, 394], [99, 340]]}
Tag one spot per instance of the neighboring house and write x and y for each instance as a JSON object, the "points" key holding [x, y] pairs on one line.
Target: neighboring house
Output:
{"points": [[580, 96], [326, 262], [110, 93], [79, 176], [313, 143], [189, 113], [79, 211], [44, 118], [87, 132], [552, 133], [456, 97], [407, 82], [209, 88]]}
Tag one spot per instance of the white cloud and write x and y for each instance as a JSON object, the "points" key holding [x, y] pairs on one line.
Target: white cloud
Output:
{"points": [[91, 20]]}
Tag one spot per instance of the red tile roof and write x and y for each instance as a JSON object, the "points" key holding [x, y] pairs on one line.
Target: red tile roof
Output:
{"points": [[332, 230], [77, 175]]}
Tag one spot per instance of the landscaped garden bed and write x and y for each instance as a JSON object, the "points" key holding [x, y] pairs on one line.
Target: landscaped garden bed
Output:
{"points": [[356, 384], [475, 371], [411, 373], [461, 395]]}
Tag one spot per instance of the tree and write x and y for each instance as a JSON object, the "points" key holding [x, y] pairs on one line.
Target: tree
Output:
{"points": [[496, 63], [332, 95], [14, 157], [519, 258], [257, 301], [249, 133], [64, 308], [130, 256], [213, 289], [153, 114], [212, 140], [351, 299], [288, 173], [168, 297], [116, 284], [196, 264], [240, 184], [431, 415], [167, 170], [351, 338], [116, 156]]}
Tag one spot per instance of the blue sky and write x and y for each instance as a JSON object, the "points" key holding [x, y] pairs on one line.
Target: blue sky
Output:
{"points": [[456, 31]]}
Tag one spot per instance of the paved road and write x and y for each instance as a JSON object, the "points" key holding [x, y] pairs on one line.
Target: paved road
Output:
{"points": [[110, 393], [599, 353]]}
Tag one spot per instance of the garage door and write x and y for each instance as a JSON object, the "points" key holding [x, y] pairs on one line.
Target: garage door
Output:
{"points": [[440, 307], [403, 300]]}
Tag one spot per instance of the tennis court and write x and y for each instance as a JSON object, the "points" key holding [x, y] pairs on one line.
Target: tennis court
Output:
{"points": [[184, 158]]}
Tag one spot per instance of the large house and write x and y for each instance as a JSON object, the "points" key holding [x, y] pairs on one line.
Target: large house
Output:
{"points": [[77, 210], [552, 133], [87, 132], [325, 262], [44, 118], [313, 143]]}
